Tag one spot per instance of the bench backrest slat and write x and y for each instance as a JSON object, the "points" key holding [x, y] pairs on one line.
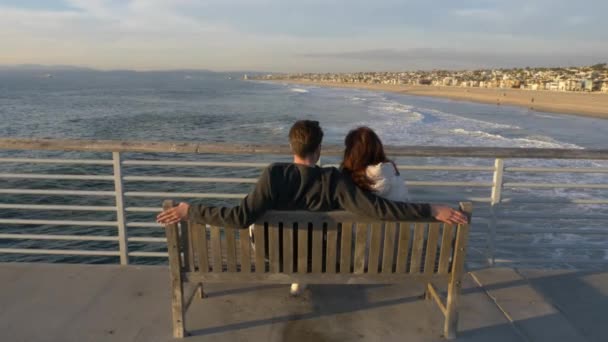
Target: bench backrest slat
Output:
{"points": [[447, 238], [431, 248], [331, 258], [216, 249], [302, 250], [259, 237], [346, 247], [375, 246], [335, 242], [417, 247], [230, 237], [389, 247], [403, 248]]}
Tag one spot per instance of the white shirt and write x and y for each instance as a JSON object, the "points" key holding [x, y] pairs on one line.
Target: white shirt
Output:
{"points": [[387, 183]]}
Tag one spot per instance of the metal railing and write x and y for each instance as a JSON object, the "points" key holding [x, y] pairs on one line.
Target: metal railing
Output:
{"points": [[484, 252]]}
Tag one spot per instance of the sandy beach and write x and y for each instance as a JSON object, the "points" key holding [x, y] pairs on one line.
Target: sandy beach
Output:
{"points": [[584, 104]]}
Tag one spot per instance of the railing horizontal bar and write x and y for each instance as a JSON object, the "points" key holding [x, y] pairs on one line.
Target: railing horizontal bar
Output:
{"points": [[190, 179], [553, 217], [59, 222], [145, 224], [243, 149], [182, 194], [57, 237], [577, 246], [434, 167], [545, 201], [144, 209], [553, 231], [56, 161], [557, 170], [149, 254], [56, 251], [254, 180], [56, 192], [49, 176], [193, 163], [56, 207], [555, 185], [426, 199], [147, 239], [443, 168], [551, 261], [451, 184]]}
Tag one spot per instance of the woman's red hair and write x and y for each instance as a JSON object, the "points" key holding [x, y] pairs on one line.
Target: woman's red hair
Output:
{"points": [[362, 149]]}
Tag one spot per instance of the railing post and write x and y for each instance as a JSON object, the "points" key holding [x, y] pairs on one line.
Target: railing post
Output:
{"points": [[120, 210], [495, 202]]}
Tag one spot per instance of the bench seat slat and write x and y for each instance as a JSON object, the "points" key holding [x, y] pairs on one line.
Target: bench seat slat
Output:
{"points": [[309, 278]]}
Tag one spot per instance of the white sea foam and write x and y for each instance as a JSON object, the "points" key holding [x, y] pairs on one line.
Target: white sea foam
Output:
{"points": [[530, 141], [299, 90]]}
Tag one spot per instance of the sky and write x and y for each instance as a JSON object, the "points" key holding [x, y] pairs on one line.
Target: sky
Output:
{"points": [[303, 35]]}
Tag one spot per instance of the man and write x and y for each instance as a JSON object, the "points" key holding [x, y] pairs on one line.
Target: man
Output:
{"points": [[302, 185]]}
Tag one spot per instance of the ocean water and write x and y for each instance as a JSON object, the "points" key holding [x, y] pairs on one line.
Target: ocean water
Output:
{"points": [[209, 107]]}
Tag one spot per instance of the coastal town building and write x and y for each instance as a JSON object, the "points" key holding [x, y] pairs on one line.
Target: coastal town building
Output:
{"points": [[572, 79]]}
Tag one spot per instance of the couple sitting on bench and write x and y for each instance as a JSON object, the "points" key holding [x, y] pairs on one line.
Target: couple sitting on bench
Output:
{"points": [[368, 184]]}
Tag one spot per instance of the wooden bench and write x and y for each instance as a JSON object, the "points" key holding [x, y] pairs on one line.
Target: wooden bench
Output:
{"points": [[318, 248]]}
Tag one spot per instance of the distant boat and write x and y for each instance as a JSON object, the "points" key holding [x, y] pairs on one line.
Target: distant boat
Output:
{"points": [[187, 77], [229, 77], [47, 76]]}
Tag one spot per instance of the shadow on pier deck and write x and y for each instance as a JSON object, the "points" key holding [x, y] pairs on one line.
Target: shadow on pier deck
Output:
{"points": [[58, 302]]}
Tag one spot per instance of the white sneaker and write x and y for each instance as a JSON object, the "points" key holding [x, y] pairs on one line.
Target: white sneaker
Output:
{"points": [[297, 289]]}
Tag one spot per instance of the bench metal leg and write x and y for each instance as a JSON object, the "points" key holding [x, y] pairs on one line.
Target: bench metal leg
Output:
{"points": [[177, 309], [451, 314], [200, 293], [177, 287]]}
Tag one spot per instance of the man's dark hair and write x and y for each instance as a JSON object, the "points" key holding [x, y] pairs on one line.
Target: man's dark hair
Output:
{"points": [[305, 137]]}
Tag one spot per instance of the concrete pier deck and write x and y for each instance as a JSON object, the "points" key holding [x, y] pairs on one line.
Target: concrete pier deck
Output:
{"points": [[59, 302]]}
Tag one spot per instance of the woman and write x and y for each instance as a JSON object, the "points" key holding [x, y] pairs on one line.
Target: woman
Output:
{"points": [[366, 163]]}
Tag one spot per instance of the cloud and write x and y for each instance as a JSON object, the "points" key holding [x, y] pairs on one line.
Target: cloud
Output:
{"points": [[427, 58], [314, 35], [479, 13], [576, 20]]}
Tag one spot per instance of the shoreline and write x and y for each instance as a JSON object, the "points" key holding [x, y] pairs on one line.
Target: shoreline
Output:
{"points": [[581, 104]]}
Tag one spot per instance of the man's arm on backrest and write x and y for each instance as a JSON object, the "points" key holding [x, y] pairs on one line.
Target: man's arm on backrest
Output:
{"points": [[251, 207], [364, 203]]}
